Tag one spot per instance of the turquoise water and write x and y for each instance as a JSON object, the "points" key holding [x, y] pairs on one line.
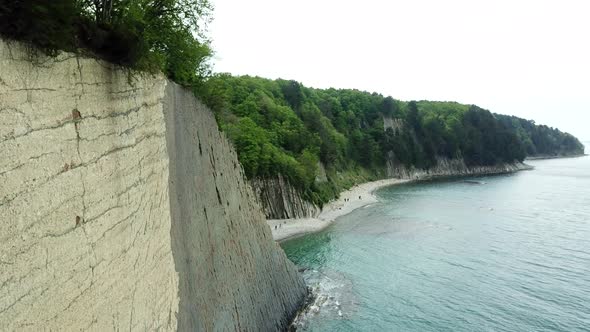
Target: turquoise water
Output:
{"points": [[497, 253]]}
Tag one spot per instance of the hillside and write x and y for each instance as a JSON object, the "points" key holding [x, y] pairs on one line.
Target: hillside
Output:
{"points": [[324, 140]]}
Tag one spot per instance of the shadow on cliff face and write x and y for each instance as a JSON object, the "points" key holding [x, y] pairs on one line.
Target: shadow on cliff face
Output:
{"points": [[179, 238], [231, 273]]}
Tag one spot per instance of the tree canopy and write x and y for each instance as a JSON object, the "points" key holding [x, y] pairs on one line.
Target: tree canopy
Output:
{"points": [[148, 35], [283, 127]]}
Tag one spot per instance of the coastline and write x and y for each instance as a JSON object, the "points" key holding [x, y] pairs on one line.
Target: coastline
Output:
{"points": [[556, 157], [356, 197], [347, 202]]}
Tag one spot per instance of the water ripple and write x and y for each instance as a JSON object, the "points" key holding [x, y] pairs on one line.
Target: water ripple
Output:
{"points": [[511, 255]]}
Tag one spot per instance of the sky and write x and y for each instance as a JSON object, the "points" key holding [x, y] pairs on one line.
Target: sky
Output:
{"points": [[529, 58]]}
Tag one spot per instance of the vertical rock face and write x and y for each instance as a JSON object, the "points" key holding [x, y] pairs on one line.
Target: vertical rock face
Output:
{"points": [[280, 200], [394, 124], [123, 207], [448, 167], [232, 274]]}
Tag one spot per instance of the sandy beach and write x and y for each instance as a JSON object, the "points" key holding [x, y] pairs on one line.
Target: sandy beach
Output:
{"points": [[352, 199]]}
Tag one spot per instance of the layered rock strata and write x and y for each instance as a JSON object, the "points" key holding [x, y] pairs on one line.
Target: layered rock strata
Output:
{"points": [[280, 200], [123, 207]]}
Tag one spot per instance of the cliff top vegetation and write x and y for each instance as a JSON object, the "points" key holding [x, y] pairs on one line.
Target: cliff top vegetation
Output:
{"points": [[147, 35]]}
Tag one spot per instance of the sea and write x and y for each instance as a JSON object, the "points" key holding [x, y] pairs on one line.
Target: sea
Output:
{"points": [[489, 253]]}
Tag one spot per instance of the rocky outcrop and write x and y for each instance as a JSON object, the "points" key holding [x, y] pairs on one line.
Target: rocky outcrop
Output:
{"points": [[448, 167], [280, 200], [395, 124], [123, 207], [321, 175]]}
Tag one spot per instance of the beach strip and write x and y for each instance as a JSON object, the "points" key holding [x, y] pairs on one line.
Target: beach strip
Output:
{"points": [[349, 200]]}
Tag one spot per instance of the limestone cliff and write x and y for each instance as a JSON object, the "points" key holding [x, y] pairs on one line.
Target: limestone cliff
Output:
{"points": [[448, 167], [394, 124], [123, 207], [280, 200]]}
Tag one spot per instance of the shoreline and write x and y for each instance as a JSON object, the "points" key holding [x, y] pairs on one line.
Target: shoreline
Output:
{"points": [[354, 198], [556, 157]]}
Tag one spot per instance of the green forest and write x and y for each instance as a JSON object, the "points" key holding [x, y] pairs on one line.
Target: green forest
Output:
{"points": [[282, 127], [279, 126]]}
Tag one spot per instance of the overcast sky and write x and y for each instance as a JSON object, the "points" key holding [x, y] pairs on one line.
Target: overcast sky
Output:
{"points": [[529, 58]]}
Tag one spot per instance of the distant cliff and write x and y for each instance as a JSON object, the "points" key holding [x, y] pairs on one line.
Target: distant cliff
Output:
{"points": [[123, 207], [450, 167]]}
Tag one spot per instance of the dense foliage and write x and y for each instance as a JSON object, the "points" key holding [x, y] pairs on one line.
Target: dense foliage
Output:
{"points": [[282, 127], [149, 35], [540, 140]]}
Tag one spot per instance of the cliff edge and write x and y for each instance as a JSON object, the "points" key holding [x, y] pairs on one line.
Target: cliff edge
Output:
{"points": [[123, 207]]}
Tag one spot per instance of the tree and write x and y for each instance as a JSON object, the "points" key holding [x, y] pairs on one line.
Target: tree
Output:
{"points": [[293, 94], [389, 107], [147, 35]]}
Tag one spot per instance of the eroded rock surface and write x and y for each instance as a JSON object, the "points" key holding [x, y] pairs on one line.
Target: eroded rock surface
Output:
{"points": [[232, 274], [280, 200], [123, 207], [448, 167]]}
